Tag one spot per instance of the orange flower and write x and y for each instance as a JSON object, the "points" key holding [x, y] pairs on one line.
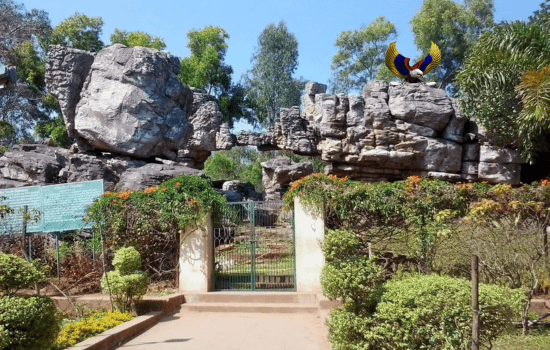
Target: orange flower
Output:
{"points": [[150, 190], [114, 201], [177, 184], [108, 193], [124, 195], [544, 182], [414, 180], [164, 188], [192, 202]]}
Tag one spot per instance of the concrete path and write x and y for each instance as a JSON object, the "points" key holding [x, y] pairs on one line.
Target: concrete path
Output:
{"points": [[232, 331]]}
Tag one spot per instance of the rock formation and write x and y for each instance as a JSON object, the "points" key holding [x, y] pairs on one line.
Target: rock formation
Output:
{"points": [[134, 124], [278, 173], [8, 77], [389, 133]]}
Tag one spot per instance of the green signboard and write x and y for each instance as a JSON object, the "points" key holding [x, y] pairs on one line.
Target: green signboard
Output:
{"points": [[62, 207]]}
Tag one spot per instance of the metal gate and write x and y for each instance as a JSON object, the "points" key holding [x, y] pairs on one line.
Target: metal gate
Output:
{"points": [[254, 247]]}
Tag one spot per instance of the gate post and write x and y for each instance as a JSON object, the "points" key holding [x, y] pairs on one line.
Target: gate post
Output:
{"points": [[309, 234], [196, 262]]}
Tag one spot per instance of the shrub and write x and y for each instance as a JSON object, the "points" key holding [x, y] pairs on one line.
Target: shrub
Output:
{"points": [[339, 244], [347, 331], [433, 312], [127, 283], [98, 322], [357, 281], [127, 260], [17, 273], [29, 323]]}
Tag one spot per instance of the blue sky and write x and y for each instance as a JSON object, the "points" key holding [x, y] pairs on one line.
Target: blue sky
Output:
{"points": [[316, 24]]}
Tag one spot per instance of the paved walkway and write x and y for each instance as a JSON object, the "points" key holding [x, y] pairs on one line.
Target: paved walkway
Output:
{"points": [[229, 331]]}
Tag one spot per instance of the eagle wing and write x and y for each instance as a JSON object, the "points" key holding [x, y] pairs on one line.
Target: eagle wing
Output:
{"points": [[429, 62], [396, 62]]}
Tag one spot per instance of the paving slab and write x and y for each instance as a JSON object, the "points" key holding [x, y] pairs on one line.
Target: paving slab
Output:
{"points": [[233, 331]]}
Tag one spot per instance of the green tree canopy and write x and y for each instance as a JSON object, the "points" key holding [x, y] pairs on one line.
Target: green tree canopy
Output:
{"points": [[360, 55], [205, 68], [270, 85], [133, 39], [502, 58], [453, 28], [79, 31]]}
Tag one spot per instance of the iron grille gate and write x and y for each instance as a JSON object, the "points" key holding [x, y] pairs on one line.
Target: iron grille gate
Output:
{"points": [[254, 247]]}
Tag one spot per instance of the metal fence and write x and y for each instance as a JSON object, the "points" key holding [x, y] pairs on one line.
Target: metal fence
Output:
{"points": [[254, 247]]}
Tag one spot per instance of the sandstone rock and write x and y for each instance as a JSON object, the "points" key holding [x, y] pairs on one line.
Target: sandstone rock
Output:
{"points": [[471, 152], [376, 89], [279, 173], [245, 191], [355, 116], [224, 139], [150, 175], [133, 104], [489, 154], [292, 132], [454, 131], [66, 72], [419, 104], [499, 173], [313, 88], [8, 77], [470, 168]]}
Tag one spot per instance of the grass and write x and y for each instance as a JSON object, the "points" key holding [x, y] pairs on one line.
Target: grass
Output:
{"points": [[538, 339]]}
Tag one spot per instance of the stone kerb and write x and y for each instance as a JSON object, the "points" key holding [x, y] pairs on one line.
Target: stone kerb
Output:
{"points": [[196, 257], [309, 234]]}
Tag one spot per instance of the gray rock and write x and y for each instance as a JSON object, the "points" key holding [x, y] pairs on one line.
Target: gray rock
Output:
{"points": [[8, 77], [499, 173], [313, 88], [355, 116], [66, 72], [133, 104], [224, 139], [470, 168], [279, 173], [149, 175], [376, 89], [489, 154], [471, 152], [454, 131], [419, 104]]}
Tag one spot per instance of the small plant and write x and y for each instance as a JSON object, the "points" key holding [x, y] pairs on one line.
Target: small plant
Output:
{"points": [[97, 322], [127, 282], [16, 273]]}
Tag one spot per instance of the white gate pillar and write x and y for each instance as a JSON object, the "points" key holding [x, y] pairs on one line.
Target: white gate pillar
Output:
{"points": [[309, 233], [196, 261]]}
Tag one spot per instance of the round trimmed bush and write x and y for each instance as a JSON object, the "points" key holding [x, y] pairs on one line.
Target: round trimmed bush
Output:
{"points": [[17, 273], [29, 323], [127, 260]]}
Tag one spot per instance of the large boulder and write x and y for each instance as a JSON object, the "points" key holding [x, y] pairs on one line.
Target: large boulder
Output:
{"points": [[129, 101]]}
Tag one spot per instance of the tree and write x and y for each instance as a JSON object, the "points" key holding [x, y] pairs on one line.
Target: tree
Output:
{"points": [[270, 85], [20, 33], [79, 31], [360, 55], [133, 39], [205, 68], [453, 28], [494, 67], [17, 25]]}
